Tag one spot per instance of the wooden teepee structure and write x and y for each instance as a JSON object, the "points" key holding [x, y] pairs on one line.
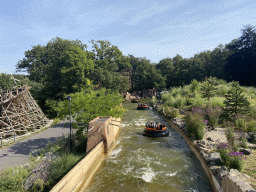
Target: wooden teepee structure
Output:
{"points": [[19, 112]]}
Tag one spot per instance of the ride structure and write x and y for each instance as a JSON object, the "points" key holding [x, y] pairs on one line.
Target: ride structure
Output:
{"points": [[19, 112], [142, 106], [154, 129]]}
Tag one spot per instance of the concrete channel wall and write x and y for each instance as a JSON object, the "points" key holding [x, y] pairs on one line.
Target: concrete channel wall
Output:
{"points": [[78, 178], [215, 185]]}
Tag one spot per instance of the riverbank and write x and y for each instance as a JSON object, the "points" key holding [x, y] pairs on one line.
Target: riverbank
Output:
{"points": [[207, 147]]}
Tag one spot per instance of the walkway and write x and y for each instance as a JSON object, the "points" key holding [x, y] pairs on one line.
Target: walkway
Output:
{"points": [[18, 153]]}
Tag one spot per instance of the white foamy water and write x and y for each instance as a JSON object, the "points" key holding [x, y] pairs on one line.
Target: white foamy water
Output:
{"points": [[148, 175], [115, 152], [171, 174]]}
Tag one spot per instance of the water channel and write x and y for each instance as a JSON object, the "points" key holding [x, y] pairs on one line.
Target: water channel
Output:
{"points": [[142, 164]]}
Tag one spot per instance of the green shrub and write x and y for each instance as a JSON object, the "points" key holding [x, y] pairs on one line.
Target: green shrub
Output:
{"points": [[195, 86], [229, 133], [198, 101], [228, 124], [172, 112], [236, 160], [253, 112], [153, 100], [213, 115], [195, 123], [62, 164], [243, 140], [235, 102], [217, 101], [240, 122], [251, 126], [12, 179], [222, 89], [38, 185], [176, 91]]}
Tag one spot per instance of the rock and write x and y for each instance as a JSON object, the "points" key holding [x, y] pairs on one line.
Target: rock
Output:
{"points": [[214, 169], [182, 112], [245, 151], [252, 137], [209, 138], [234, 181], [214, 157], [177, 119], [222, 172]]}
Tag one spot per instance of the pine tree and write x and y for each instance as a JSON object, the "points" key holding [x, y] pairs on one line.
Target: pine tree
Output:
{"points": [[208, 88], [236, 102]]}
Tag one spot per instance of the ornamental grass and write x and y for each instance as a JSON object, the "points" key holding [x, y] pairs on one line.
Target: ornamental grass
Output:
{"points": [[195, 123]]}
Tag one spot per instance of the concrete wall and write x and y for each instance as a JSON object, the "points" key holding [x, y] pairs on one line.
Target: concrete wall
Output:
{"points": [[79, 177], [214, 182]]}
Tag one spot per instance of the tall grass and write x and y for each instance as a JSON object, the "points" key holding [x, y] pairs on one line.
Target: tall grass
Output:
{"points": [[198, 101], [217, 101], [222, 89]]}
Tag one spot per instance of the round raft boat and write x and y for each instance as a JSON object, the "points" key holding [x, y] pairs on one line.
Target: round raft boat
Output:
{"points": [[143, 106], [154, 129]]}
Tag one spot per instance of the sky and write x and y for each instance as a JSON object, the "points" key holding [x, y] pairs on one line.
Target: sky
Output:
{"points": [[155, 29]]}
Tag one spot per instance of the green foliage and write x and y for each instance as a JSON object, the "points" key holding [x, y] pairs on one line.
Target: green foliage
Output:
{"points": [[235, 102], [243, 140], [88, 106], [240, 122], [153, 100], [172, 112], [198, 101], [62, 164], [6, 82], [13, 179], [177, 101], [195, 123], [217, 101], [213, 115], [38, 185], [222, 89], [251, 126], [230, 133], [208, 87], [195, 86]]}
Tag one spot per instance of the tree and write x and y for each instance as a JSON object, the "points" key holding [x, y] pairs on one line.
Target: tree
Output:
{"points": [[108, 56], [6, 82], [208, 88], [61, 65], [241, 64], [166, 68], [89, 105], [235, 102]]}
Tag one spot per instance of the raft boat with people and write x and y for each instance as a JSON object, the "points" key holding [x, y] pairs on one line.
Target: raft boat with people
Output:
{"points": [[154, 129], [142, 106]]}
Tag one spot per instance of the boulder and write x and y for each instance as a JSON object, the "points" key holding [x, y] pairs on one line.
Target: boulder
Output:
{"points": [[222, 172], [214, 157], [234, 181], [214, 169], [252, 137], [245, 151]]}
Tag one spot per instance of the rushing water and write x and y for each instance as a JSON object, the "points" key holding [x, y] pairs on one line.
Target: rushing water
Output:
{"points": [[140, 163]]}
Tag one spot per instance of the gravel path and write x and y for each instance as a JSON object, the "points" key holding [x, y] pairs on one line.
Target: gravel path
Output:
{"points": [[18, 153]]}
